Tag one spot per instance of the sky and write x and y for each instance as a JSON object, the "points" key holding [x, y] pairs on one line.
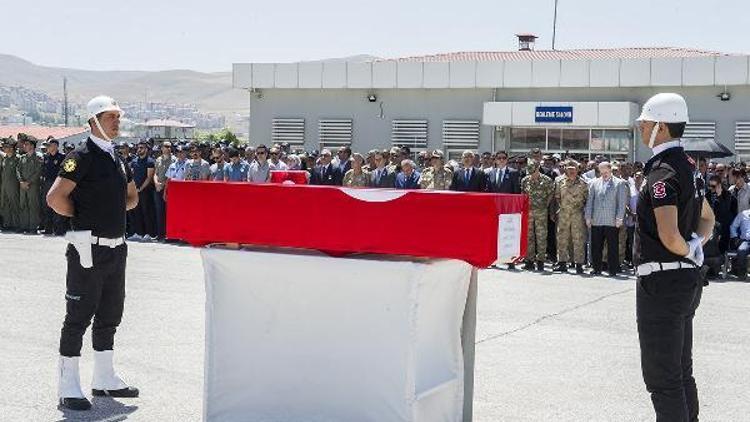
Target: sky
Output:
{"points": [[210, 35]]}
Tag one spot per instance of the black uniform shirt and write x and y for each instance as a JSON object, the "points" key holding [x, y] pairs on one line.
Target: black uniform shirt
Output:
{"points": [[51, 166], [670, 179], [100, 195]]}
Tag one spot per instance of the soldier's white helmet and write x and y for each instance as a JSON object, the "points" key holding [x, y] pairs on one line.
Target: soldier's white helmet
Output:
{"points": [[664, 108], [101, 104]]}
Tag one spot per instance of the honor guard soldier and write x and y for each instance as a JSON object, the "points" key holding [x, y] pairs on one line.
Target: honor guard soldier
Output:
{"points": [[674, 221], [95, 188]]}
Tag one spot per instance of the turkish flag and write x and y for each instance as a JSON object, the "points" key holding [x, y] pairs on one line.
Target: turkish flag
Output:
{"points": [[432, 224]]}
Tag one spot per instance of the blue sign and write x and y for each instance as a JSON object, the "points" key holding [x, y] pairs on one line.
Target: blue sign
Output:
{"points": [[553, 115]]}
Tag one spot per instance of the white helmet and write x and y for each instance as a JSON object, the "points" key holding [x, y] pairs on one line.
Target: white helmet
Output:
{"points": [[664, 108], [101, 104]]}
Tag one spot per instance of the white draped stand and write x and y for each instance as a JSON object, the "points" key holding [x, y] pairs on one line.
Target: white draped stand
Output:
{"points": [[297, 336]]}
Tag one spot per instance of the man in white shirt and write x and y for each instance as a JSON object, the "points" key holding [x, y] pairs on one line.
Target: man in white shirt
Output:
{"points": [[740, 190]]}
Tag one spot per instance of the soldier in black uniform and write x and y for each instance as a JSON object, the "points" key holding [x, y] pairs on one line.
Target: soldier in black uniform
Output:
{"points": [[52, 222], [674, 221], [95, 188]]}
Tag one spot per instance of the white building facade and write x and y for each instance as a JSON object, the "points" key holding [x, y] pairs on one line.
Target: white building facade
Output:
{"points": [[578, 101]]}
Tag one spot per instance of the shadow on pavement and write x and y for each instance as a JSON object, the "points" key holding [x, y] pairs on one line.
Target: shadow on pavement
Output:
{"points": [[103, 409]]}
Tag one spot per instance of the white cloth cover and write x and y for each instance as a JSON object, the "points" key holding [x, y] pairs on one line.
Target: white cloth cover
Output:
{"points": [[69, 381], [306, 337], [104, 377]]}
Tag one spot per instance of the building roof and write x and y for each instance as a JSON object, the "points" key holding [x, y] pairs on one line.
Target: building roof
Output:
{"points": [[41, 132], [586, 54], [165, 123]]}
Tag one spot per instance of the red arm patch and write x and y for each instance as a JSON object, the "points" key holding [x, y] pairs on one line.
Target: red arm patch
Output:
{"points": [[659, 190]]}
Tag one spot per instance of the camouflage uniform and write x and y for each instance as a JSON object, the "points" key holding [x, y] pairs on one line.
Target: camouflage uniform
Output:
{"points": [[9, 192], [540, 191], [436, 179], [29, 170], [571, 229]]}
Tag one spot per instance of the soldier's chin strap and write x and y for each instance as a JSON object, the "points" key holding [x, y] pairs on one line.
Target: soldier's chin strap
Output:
{"points": [[654, 132], [104, 134]]}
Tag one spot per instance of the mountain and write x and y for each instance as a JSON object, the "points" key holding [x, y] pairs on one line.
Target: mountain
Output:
{"points": [[210, 92]]}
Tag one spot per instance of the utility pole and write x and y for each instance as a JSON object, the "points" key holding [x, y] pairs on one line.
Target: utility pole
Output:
{"points": [[554, 27], [65, 99]]}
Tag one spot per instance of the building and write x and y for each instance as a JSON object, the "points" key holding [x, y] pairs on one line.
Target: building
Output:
{"points": [[164, 129], [71, 135], [580, 101]]}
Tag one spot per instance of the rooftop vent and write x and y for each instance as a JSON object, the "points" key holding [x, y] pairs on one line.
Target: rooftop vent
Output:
{"points": [[526, 42]]}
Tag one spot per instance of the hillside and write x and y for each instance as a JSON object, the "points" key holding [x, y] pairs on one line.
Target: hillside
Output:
{"points": [[211, 92]]}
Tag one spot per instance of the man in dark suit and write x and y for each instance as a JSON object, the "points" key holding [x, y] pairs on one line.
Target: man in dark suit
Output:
{"points": [[381, 176], [326, 173], [469, 178], [502, 178], [344, 156], [409, 177]]}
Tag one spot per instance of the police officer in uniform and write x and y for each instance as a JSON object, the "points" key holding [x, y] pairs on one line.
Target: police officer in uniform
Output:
{"points": [[674, 221], [52, 223], [95, 188]]}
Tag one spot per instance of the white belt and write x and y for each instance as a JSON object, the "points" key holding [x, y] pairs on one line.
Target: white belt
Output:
{"points": [[653, 267], [103, 241]]}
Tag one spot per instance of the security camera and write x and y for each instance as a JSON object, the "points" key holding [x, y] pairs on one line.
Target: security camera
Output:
{"points": [[372, 98], [725, 96]]}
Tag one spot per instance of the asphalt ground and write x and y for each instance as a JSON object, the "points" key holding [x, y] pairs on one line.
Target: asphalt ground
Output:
{"points": [[550, 347]]}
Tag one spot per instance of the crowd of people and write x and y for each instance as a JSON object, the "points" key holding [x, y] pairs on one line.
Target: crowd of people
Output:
{"points": [[582, 213]]}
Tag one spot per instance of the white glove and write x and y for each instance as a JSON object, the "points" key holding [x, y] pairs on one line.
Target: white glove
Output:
{"points": [[696, 250]]}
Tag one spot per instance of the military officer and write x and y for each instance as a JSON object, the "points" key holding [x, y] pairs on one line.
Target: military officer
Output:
{"points": [[674, 221], [436, 176], [571, 192], [29, 174], [9, 190], [95, 188], [540, 189], [52, 223]]}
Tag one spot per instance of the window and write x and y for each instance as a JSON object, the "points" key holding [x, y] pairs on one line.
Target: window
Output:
{"points": [[288, 130], [574, 139], [742, 140], [700, 130], [334, 133], [461, 134], [411, 133], [615, 140], [528, 138]]}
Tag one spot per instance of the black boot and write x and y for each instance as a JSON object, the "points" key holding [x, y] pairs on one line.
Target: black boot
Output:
{"points": [[561, 266], [128, 392], [579, 268], [540, 265], [528, 266], [75, 403]]}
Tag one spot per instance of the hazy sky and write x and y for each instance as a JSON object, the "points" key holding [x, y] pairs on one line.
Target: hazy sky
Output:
{"points": [[210, 35]]}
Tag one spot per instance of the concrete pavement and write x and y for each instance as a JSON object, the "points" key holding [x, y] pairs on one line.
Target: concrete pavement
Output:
{"points": [[549, 347]]}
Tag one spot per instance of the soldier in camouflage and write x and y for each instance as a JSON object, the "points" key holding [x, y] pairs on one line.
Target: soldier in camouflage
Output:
{"points": [[29, 174], [436, 176], [571, 192], [540, 189], [9, 187]]}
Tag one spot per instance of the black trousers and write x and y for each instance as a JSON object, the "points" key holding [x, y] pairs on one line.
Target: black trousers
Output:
{"points": [[599, 234], [665, 306], [98, 293], [52, 222], [144, 215], [161, 213]]}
